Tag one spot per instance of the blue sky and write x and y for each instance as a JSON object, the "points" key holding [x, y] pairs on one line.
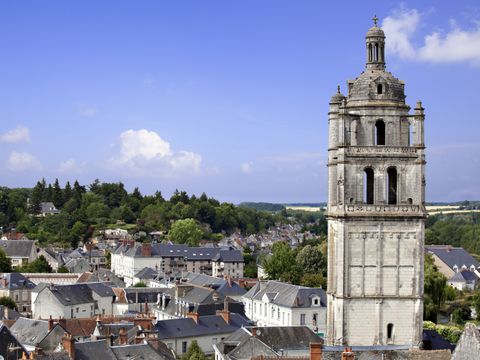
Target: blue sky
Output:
{"points": [[226, 97]]}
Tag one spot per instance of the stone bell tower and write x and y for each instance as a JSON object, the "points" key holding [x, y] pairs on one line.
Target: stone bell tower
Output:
{"points": [[376, 213]]}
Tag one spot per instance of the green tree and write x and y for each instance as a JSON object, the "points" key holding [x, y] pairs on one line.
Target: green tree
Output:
{"points": [[8, 302], [5, 263], [57, 195], [311, 260], [461, 314], [185, 231], [476, 302], [314, 280], [36, 197], [282, 265], [140, 284], [39, 265], [62, 269], [434, 290], [194, 352]]}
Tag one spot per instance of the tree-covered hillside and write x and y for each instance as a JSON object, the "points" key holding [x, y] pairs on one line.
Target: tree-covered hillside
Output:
{"points": [[84, 209]]}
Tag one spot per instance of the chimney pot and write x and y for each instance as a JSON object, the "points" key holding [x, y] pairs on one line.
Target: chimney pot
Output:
{"points": [[50, 323], [316, 351]]}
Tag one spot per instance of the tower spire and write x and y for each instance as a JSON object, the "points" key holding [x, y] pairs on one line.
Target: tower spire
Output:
{"points": [[375, 42]]}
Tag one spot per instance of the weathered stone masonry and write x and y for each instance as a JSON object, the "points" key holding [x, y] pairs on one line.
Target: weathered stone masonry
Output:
{"points": [[376, 209]]}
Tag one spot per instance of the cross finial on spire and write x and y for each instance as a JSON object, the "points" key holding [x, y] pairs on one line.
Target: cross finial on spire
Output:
{"points": [[375, 19]]}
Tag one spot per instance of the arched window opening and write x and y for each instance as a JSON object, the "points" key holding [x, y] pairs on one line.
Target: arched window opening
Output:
{"points": [[379, 133], [375, 54], [390, 332], [368, 186], [409, 201], [379, 89], [370, 53], [392, 185]]}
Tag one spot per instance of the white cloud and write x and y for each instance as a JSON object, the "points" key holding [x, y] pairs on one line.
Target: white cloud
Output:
{"points": [[70, 166], [21, 161], [144, 152], [17, 135], [247, 167], [455, 45]]}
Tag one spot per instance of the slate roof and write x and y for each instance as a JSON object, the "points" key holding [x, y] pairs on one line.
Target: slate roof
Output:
{"points": [[286, 294], [80, 293], [452, 256], [221, 285], [17, 248], [8, 314], [274, 338], [7, 339], [434, 341], [207, 325], [30, 331], [464, 276], [48, 208], [89, 350], [137, 352], [146, 273], [16, 281], [180, 250]]}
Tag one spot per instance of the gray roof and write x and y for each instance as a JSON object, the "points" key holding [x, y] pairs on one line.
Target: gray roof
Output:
{"points": [[80, 293], [146, 273], [453, 256], [17, 248], [8, 314], [181, 250], [207, 325], [48, 208], [275, 338], [89, 350], [464, 276], [16, 281], [30, 331], [221, 285], [286, 294], [137, 352]]}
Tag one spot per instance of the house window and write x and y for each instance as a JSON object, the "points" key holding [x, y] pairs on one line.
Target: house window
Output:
{"points": [[302, 319], [379, 132], [184, 347]]}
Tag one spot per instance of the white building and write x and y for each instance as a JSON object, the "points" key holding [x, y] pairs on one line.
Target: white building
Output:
{"points": [[84, 300], [273, 303], [131, 257]]}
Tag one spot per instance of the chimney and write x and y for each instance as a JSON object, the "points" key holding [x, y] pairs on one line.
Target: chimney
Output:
{"points": [[229, 280], [194, 316], [123, 336], [225, 314], [24, 355], [69, 345], [50, 323], [146, 249], [316, 351], [63, 323], [348, 354]]}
